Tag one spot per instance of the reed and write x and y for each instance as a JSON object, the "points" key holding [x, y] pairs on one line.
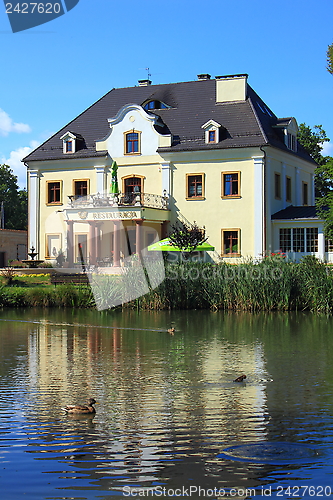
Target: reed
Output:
{"points": [[271, 285]]}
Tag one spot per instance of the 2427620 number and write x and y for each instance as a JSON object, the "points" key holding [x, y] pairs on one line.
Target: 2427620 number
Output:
{"points": [[33, 8]]}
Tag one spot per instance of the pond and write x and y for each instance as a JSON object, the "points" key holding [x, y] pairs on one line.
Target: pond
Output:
{"points": [[170, 420]]}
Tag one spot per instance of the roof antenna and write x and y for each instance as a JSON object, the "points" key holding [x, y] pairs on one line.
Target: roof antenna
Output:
{"points": [[149, 74]]}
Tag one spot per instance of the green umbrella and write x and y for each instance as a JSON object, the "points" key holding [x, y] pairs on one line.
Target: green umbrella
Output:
{"points": [[114, 189], [166, 246]]}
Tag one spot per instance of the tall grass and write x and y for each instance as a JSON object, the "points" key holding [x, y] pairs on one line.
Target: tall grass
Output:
{"points": [[271, 285], [61, 296]]}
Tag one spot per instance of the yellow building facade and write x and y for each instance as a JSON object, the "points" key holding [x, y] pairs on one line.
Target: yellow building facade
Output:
{"points": [[115, 179]]}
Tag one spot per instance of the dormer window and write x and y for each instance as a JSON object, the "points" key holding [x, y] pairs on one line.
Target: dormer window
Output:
{"points": [[153, 104], [69, 143], [290, 130], [212, 132]]}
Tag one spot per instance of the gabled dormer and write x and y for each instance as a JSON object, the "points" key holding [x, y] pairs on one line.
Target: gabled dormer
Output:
{"points": [[212, 132], [290, 130], [69, 142]]}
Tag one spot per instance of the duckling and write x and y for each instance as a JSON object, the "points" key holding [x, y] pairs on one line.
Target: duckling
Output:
{"points": [[240, 378], [171, 330], [81, 410]]}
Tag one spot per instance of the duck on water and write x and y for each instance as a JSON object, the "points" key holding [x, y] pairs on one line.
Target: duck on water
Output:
{"points": [[81, 409]]}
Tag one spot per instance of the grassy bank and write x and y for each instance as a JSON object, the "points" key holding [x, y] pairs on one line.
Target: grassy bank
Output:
{"points": [[273, 284]]}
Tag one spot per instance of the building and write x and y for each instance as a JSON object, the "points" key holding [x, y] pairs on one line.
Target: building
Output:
{"points": [[209, 151], [13, 246]]}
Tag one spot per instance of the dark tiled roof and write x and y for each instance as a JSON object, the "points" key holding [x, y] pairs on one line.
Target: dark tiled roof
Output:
{"points": [[245, 123], [291, 212]]}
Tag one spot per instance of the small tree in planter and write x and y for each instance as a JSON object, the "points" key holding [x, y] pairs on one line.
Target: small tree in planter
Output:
{"points": [[187, 236]]}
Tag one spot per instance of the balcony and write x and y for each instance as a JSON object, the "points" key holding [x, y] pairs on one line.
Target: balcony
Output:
{"points": [[144, 200]]}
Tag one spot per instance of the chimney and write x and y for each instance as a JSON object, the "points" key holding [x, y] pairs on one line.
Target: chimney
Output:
{"points": [[144, 83], [231, 88], [204, 76]]}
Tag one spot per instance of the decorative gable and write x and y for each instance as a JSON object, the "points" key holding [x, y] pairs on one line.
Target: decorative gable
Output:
{"points": [[212, 132], [133, 131]]}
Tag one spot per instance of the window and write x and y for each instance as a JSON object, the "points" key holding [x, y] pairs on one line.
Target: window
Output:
{"points": [[212, 132], [305, 193], [312, 239], [53, 189], [154, 105], [53, 246], [80, 188], [132, 142], [69, 142], [298, 239], [132, 184], [291, 142], [194, 185], [328, 245], [277, 186], [230, 184], [288, 189], [132, 187], [285, 239], [68, 146], [230, 243], [212, 136]]}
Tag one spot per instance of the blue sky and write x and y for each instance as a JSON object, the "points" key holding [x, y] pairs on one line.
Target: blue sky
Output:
{"points": [[53, 72]]}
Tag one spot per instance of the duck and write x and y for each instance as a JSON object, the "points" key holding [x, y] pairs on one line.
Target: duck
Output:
{"points": [[240, 378], [171, 330], [80, 409]]}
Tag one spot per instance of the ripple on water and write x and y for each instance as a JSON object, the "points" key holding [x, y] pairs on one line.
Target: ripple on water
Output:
{"points": [[276, 453]]}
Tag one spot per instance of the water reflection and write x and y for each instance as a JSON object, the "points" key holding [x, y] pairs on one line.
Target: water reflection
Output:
{"points": [[168, 405]]}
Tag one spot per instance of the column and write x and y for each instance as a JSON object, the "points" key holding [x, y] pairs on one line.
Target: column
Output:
{"points": [[98, 240], [138, 236], [34, 203], [92, 244], [70, 243], [258, 165], [321, 243], [116, 243], [100, 179]]}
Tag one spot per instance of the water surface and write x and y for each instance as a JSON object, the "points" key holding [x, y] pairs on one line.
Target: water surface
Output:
{"points": [[170, 419]]}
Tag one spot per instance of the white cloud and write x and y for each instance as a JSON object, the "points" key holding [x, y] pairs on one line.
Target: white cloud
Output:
{"points": [[7, 125], [15, 163], [327, 149]]}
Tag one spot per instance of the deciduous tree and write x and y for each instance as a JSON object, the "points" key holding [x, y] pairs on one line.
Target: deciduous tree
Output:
{"points": [[15, 200]]}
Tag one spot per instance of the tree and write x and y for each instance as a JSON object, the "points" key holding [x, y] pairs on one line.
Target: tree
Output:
{"points": [[15, 200], [187, 236], [330, 59], [313, 141]]}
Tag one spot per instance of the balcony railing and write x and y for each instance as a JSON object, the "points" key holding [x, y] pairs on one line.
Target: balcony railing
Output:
{"points": [[145, 200]]}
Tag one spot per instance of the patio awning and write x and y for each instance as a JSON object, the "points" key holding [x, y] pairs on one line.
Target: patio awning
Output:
{"points": [[166, 246]]}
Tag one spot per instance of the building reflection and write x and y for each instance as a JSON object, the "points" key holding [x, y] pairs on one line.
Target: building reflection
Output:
{"points": [[161, 398]]}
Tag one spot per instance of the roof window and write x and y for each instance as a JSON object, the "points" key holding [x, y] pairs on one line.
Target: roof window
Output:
{"points": [[212, 132], [155, 105]]}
